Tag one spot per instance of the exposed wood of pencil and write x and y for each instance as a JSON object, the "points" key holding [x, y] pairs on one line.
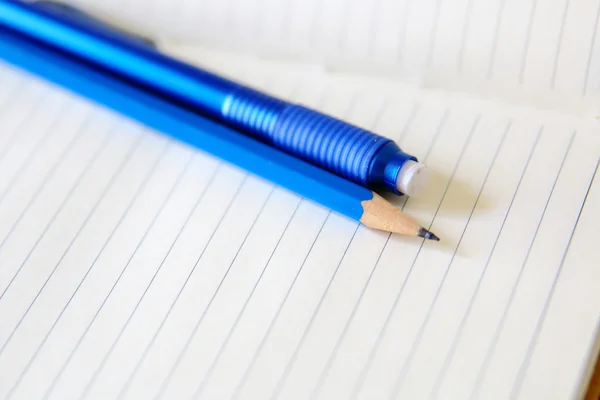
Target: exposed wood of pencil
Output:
{"points": [[382, 215], [593, 390]]}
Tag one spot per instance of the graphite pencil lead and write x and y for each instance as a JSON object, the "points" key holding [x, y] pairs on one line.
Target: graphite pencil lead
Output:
{"points": [[424, 233]]}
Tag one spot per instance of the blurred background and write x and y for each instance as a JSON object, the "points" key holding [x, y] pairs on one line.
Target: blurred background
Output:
{"points": [[535, 52]]}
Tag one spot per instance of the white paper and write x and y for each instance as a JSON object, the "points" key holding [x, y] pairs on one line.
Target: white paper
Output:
{"points": [[132, 266]]}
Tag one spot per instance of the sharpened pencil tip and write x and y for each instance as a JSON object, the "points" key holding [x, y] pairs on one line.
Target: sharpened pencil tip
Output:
{"points": [[424, 233]]}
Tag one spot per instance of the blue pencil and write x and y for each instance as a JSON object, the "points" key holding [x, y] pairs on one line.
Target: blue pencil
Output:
{"points": [[351, 152], [309, 181]]}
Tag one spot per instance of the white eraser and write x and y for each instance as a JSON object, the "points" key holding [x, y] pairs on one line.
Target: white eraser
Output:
{"points": [[412, 178]]}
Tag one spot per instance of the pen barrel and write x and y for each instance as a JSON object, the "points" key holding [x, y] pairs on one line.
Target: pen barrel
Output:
{"points": [[349, 151], [332, 144]]}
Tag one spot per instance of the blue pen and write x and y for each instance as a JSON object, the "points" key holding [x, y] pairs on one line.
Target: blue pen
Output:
{"points": [[334, 192], [353, 153]]}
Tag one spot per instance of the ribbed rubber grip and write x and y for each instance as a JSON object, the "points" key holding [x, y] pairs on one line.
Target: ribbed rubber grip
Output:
{"points": [[337, 146], [342, 148], [252, 112]]}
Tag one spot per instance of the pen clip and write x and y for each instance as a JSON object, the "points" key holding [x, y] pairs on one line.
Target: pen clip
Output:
{"points": [[89, 19]]}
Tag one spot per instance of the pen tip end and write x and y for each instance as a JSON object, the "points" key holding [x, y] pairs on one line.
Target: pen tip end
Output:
{"points": [[424, 233]]}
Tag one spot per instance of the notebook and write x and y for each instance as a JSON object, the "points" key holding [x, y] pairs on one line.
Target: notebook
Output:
{"points": [[133, 266]]}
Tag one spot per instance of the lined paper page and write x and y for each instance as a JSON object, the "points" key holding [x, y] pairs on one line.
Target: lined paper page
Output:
{"points": [[544, 53], [132, 266]]}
